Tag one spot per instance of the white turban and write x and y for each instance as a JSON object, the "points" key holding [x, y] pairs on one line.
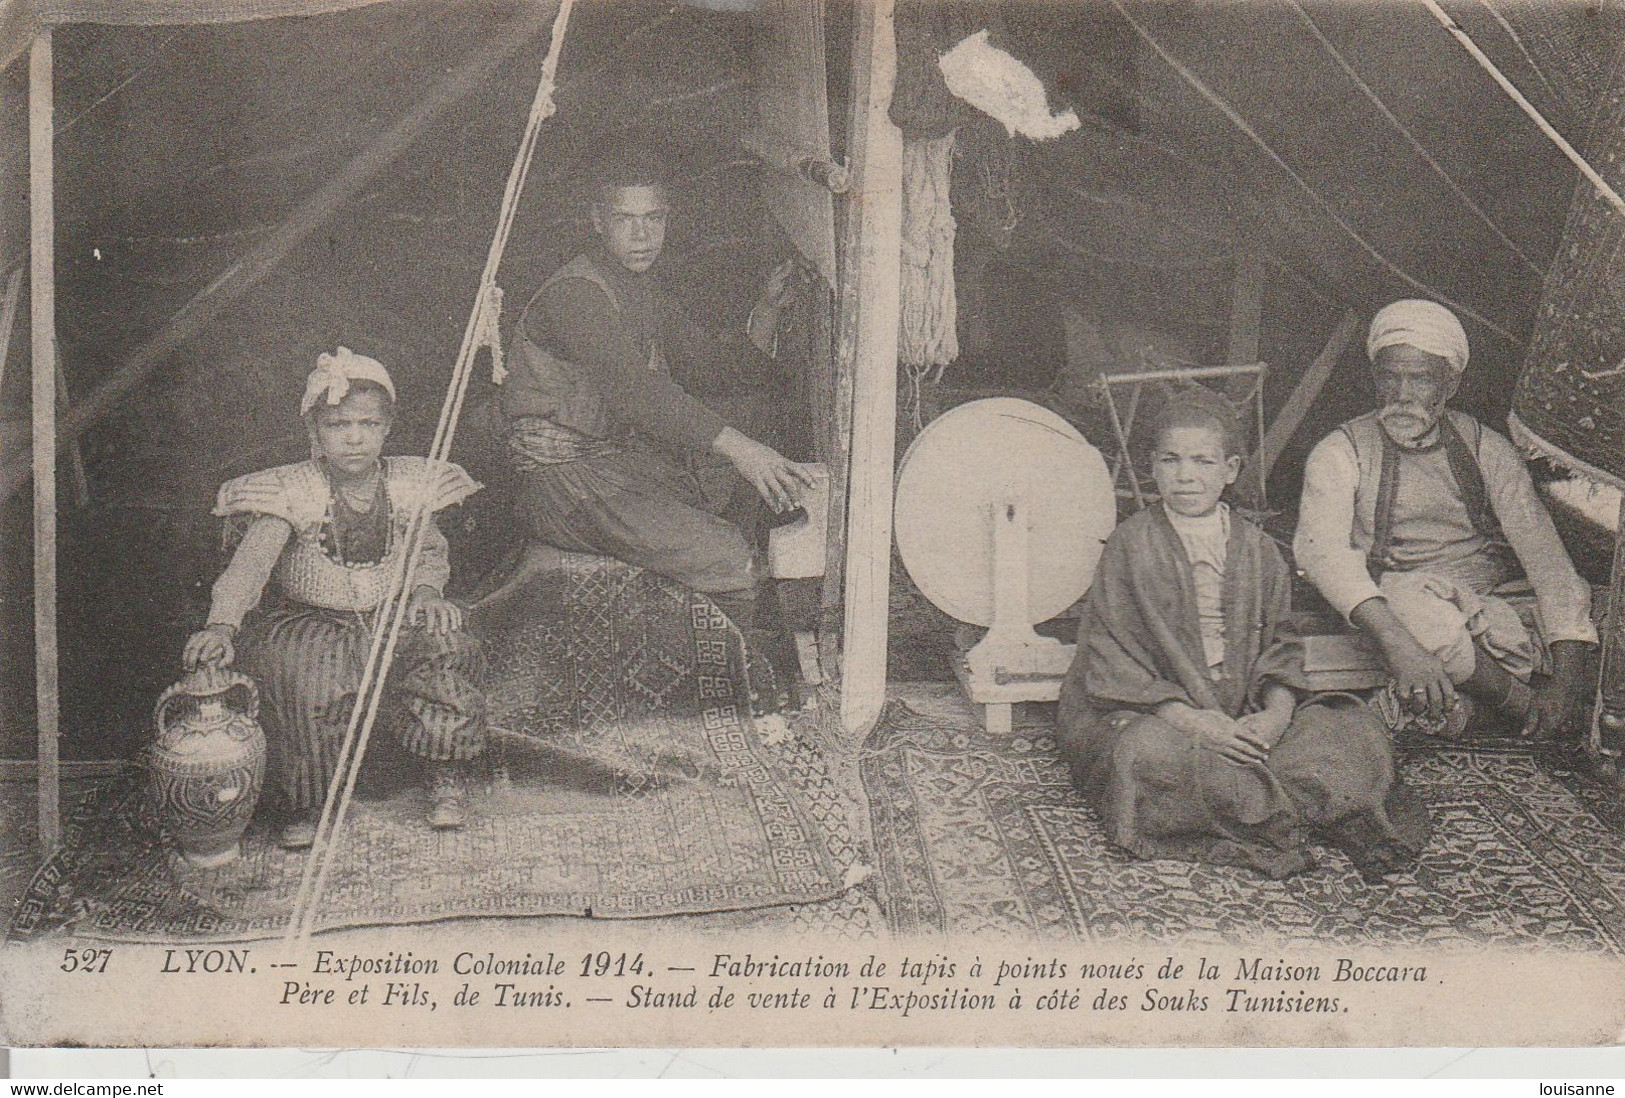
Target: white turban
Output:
{"points": [[334, 373], [1425, 325]]}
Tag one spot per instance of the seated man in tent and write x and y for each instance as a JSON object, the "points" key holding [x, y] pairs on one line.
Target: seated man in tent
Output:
{"points": [[1415, 516], [616, 452]]}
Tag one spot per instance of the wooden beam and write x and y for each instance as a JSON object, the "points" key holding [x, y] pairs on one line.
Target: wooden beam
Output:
{"points": [[1607, 732], [42, 307], [1246, 308], [1287, 421], [76, 457], [870, 306], [1246, 316], [313, 212], [18, 771], [8, 319]]}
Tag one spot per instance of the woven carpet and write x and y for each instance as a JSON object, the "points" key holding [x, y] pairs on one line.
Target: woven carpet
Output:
{"points": [[1570, 401], [630, 777], [980, 837]]}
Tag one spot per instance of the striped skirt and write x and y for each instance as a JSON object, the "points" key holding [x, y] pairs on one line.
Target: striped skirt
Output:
{"points": [[308, 663]]}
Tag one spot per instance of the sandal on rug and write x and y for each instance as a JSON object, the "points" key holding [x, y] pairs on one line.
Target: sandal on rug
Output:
{"points": [[299, 835], [446, 801]]}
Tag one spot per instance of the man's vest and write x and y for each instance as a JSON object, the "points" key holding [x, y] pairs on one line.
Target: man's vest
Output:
{"points": [[543, 385], [1376, 452]]}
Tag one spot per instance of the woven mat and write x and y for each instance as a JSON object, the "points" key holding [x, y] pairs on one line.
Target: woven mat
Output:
{"points": [[1570, 401], [630, 778], [979, 837]]}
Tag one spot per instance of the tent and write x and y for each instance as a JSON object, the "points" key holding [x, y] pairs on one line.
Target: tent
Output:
{"points": [[253, 180]]}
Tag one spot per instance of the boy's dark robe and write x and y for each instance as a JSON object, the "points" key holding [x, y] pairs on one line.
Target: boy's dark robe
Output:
{"points": [[612, 362], [1164, 793]]}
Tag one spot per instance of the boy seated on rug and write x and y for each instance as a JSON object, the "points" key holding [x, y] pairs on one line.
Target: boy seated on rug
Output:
{"points": [[332, 530], [1182, 716]]}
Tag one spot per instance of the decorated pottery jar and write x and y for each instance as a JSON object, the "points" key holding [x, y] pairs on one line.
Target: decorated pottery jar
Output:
{"points": [[207, 765]]}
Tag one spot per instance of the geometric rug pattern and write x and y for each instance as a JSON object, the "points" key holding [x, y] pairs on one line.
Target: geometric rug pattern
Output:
{"points": [[988, 838], [630, 776]]}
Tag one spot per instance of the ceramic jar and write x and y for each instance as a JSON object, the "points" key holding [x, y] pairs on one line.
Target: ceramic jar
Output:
{"points": [[207, 764]]}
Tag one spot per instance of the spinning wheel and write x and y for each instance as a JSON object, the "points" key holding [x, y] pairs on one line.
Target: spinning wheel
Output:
{"points": [[1002, 509]]}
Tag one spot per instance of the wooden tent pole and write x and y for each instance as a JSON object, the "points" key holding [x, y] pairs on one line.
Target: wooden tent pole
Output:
{"points": [[1256, 468], [870, 305], [42, 312], [1246, 317], [312, 213], [1246, 308]]}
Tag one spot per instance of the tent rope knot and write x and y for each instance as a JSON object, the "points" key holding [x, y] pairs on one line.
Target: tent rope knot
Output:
{"points": [[488, 335]]}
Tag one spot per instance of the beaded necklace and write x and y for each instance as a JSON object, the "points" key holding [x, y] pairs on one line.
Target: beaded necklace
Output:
{"points": [[341, 518]]}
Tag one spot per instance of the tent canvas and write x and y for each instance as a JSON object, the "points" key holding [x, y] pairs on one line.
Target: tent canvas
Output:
{"points": [[1375, 156]]}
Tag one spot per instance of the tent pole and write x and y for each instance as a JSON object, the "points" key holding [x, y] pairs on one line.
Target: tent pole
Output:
{"points": [[316, 210], [1256, 469], [1246, 317], [870, 306], [42, 314]]}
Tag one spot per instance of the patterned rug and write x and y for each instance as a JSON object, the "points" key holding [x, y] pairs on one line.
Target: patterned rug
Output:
{"points": [[1570, 401], [979, 837], [629, 778]]}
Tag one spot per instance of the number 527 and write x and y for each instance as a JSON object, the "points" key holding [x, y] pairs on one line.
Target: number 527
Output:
{"points": [[85, 960]]}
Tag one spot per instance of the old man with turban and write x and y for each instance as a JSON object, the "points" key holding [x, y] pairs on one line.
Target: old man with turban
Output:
{"points": [[1416, 520]]}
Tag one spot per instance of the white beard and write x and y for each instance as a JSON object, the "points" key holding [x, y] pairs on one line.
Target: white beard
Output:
{"points": [[1407, 424]]}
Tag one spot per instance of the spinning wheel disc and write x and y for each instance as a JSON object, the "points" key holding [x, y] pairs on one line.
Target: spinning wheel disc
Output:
{"points": [[983, 454]]}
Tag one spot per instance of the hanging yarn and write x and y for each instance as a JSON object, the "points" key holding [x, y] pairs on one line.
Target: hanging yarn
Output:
{"points": [[927, 341], [992, 202]]}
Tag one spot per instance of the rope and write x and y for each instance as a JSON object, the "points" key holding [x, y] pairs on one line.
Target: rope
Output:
{"points": [[1241, 124], [1529, 58], [1410, 138], [489, 337], [392, 611], [1527, 107]]}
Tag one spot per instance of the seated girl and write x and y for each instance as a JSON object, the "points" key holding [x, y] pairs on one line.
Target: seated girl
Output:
{"points": [[333, 530], [1184, 716]]}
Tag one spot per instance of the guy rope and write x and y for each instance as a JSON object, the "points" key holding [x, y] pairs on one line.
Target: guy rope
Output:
{"points": [[1550, 131], [394, 608]]}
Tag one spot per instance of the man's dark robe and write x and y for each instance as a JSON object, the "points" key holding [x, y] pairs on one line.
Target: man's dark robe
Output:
{"points": [[614, 451], [1165, 793]]}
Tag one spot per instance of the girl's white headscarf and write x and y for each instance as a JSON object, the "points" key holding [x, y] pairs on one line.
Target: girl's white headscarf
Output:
{"points": [[333, 374], [1425, 325]]}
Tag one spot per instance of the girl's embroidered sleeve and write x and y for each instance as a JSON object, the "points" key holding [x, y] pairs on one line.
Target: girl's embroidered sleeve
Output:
{"points": [[240, 586], [452, 486], [285, 492]]}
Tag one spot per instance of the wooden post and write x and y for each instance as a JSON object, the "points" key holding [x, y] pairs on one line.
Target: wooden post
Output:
{"points": [[1256, 469], [42, 306], [76, 456], [1246, 317], [8, 318], [1607, 733], [1246, 309], [870, 304]]}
